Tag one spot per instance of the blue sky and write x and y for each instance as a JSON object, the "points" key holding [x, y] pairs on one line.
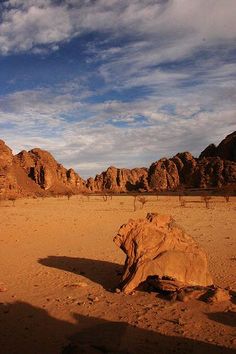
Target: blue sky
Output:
{"points": [[113, 82]]}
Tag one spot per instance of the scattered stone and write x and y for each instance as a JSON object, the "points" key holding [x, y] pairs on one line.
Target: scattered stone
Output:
{"points": [[190, 293], [79, 284], [215, 295], [93, 299]]}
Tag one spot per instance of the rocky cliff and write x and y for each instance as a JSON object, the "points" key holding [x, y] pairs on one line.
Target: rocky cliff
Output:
{"points": [[36, 172], [179, 172], [46, 172], [226, 150], [119, 180]]}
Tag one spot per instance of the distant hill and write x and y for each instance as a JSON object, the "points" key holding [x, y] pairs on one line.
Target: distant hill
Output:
{"points": [[37, 173]]}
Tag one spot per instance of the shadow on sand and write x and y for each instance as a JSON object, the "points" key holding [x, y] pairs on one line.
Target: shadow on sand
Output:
{"points": [[226, 318], [25, 329], [104, 273]]}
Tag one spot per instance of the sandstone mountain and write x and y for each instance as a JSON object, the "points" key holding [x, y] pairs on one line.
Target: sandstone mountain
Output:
{"points": [[225, 150], [119, 180], [36, 172], [215, 168], [44, 170]]}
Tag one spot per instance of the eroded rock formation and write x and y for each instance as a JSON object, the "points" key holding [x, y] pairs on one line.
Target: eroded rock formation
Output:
{"points": [[215, 168], [226, 150], [8, 183], [156, 246], [119, 180], [37, 172], [42, 168]]}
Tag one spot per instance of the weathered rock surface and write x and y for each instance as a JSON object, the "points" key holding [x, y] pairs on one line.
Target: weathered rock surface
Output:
{"points": [[42, 168], [215, 168], [156, 246], [8, 182], [119, 180], [37, 172]]}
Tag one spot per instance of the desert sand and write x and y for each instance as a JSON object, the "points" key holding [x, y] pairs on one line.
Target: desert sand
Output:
{"points": [[59, 268]]}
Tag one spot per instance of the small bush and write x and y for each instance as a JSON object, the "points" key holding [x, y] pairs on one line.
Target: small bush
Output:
{"points": [[104, 197], [226, 198], [206, 199], [13, 200], [142, 200], [182, 201], [69, 195]]}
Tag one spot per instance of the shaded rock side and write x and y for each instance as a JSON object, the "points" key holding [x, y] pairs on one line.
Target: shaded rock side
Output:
{"points": [[119, 180], [156, 246], [42, 168], [226, 150]]}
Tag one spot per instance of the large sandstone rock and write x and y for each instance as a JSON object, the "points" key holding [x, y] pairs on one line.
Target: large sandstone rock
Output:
{"points": [[156, 246], [163, 175], [213, 172], [42, 168], [184, 171], [8, 183], [119, 180]]}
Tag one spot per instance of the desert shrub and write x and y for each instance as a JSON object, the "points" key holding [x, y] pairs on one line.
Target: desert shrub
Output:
{"points": [[182, 201], [226, 198], [142, 200], [13, 200], [69, 195], [104, 197], [135, 197], [206, 199]]}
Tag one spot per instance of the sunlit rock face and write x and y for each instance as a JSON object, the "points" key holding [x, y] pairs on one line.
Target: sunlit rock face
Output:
{"points": [[42, 168], [8, 182], [215, 168], [119, 180], [156, 246], [36, 172]]}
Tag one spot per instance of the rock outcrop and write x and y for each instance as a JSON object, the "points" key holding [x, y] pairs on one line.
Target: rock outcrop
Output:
{"points": [[177, 173], [215, 168], [36, 172], [156, 246], [42, 168], [226, 150], [119, 180], [8, 183]]}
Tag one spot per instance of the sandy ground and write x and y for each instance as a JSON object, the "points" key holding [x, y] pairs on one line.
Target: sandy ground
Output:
{"points": [[59, 265]]}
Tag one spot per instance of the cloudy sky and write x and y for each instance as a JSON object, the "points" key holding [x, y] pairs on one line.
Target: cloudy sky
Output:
{"points": [[116, 82]]}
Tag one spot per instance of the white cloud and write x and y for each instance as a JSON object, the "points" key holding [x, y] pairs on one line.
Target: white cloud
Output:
{"points": [[177, 26], [186, 107], [90, 145]]}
